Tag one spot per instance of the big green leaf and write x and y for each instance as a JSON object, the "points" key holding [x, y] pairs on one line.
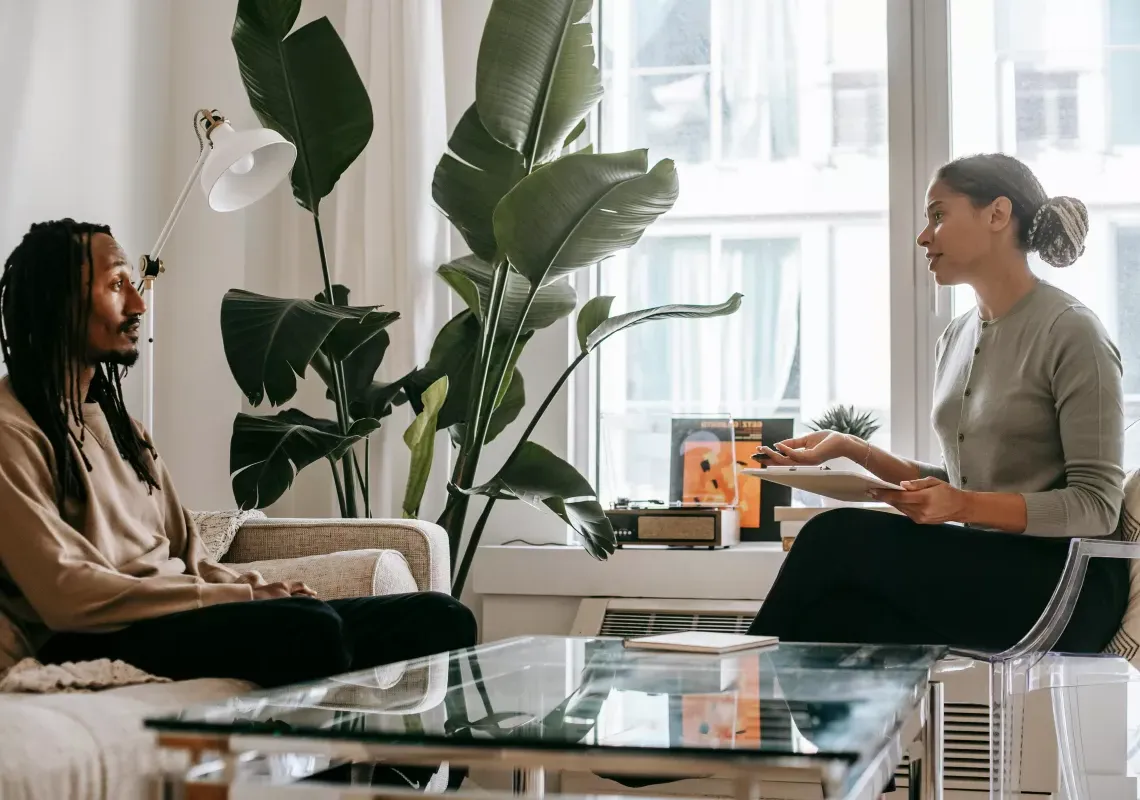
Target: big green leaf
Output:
{"points": [[267, 452], [304, 86], [420, 439], [362, 348], [535, 78], [605, 328], [552, 302], [537, 476], [454, 354], [581, 209], [506, 412], [471, 180], [593, 313], [509, 407], [269, 341], [376, 399]]}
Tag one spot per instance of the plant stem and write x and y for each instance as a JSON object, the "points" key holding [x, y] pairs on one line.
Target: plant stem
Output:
{"points": [[340, 393], [363, 478], [565, 376], [339, 488], [480, 684], [460, 577], [455, 512], [367, 478]]}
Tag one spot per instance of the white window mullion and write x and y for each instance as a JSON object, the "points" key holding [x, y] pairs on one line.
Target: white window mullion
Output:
{"points": [[716, 80], [919, 127]]}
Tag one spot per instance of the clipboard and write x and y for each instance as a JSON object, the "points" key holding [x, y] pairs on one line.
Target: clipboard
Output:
{"points": [[848, 485]]}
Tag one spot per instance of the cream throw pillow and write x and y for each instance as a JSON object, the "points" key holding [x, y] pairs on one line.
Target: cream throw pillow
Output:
{"points": [[1127, 640]]}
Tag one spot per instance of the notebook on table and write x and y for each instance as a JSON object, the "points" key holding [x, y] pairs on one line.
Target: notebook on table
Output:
{"points": [[701, 642]]}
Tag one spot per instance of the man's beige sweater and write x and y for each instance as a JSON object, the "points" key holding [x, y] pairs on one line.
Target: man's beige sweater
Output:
{"points": [[126, 553]]}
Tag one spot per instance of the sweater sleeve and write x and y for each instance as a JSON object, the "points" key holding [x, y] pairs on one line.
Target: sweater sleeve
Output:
{"points": [[933, 471], [199, 561], [185, 541], [1086, 377], [65, 579]]}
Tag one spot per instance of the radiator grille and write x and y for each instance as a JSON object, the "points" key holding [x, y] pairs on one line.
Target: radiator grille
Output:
{"points": [[967, 747], [648, 623]]}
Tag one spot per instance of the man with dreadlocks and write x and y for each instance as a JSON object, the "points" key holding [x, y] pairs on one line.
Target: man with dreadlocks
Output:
{"points": [[98, 559]]}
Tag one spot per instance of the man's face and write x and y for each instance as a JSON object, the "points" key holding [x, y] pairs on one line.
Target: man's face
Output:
{"points": [[116, 306]]}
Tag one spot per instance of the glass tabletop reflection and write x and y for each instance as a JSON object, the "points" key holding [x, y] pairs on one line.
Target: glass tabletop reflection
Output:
{"points": [[834, 701]]}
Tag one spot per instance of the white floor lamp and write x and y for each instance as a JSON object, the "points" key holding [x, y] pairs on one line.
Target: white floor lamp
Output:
{"points": [[237, 168]]}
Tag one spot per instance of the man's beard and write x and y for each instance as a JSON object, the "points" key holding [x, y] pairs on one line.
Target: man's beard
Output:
{"points": [[121, 359]]}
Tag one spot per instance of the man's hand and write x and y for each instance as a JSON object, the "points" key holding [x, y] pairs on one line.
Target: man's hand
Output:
{"points": [[927, 501], [271, 591]]}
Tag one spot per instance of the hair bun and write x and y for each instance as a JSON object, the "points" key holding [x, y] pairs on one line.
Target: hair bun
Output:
{"points": [[1059, 230]]}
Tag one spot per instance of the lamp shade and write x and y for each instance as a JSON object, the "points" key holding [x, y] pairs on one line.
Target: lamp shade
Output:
{"points": [[244, 166]]}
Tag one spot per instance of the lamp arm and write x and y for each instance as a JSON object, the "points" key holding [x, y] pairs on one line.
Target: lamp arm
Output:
{"points": [[151, 265]]}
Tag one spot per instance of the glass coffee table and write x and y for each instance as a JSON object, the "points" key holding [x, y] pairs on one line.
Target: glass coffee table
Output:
{"points": [[772, 721]]}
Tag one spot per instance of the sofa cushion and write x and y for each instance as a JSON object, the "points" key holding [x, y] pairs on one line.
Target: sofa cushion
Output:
{"points": [[91, 745], [1127, 640], [351, 573]]}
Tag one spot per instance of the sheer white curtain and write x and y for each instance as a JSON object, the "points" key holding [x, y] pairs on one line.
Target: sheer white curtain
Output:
{"points": [[389, 236], [758, 73], [768, 273]]}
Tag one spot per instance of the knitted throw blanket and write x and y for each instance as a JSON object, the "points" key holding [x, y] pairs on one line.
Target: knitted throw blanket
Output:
{"points": [[31, 676]]}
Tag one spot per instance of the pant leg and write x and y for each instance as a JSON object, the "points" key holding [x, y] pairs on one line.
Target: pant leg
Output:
{"points": [[870, 577], [386, 629], [267, 642]]}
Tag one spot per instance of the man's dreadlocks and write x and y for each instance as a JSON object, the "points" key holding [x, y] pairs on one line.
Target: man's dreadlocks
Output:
{"points": [[45, 311]]}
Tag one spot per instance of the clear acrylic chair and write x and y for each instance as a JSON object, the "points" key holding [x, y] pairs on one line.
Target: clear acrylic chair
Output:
{"points": [[1022, 668]]}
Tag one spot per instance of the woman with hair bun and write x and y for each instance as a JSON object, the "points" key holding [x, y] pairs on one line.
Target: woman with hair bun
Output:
{"points": [[1029, 412]]}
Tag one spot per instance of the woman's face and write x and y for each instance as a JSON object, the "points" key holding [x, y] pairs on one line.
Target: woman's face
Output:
{"points": [[959, 237]]}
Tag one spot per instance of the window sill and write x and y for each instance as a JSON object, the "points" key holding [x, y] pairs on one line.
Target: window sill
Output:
{"points": [[744, 572]]}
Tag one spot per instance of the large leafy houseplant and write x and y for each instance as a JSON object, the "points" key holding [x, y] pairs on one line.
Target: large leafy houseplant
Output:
{"points": [[532, 211]]}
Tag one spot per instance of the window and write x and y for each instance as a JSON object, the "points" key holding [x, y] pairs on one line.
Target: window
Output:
{"points": [[858, 117], [703, 80], [777, 112], [757, 73], [730, 89], [1124, 71], [1060, 134], [1047, 110], [1127, 318]]}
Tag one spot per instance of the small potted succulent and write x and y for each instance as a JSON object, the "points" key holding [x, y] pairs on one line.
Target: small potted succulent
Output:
{"points": [[841, 419], [845, 419]]}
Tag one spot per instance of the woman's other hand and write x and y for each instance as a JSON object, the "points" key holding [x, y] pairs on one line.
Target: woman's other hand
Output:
{"points": [[810, 450], [927, 501]]}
